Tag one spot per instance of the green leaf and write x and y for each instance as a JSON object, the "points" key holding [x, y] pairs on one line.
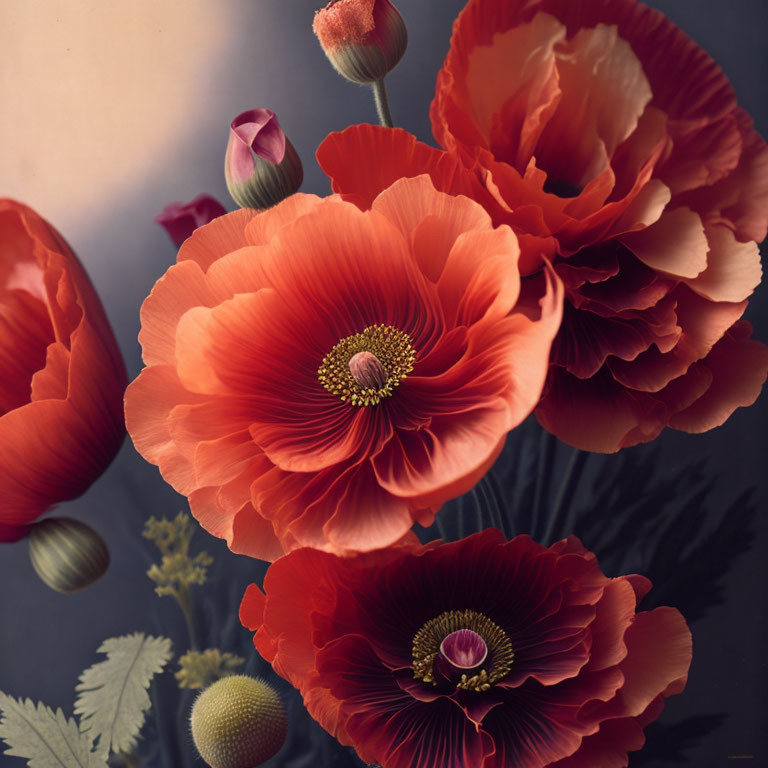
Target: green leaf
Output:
{"points": [[113, 698], [45, 739]]}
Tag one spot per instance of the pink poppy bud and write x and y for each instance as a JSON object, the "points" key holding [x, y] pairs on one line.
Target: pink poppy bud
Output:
{"points": [[363, 39], [261, 166], [180, 220]]}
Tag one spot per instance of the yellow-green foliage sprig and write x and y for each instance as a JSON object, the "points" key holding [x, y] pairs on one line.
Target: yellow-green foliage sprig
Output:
{"points": [[199, 669], [177, 571]]}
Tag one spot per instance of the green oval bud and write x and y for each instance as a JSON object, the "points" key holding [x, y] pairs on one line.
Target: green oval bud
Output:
{"points": [[238, 722], [66, 554]]}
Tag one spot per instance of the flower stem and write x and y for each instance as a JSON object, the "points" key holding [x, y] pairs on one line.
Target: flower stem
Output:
{"points": [[129, 760], [382, 103], [182, 597]]}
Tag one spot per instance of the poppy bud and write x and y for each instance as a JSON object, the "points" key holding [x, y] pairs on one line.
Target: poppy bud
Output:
{"points": [[262, 167], [180, 220], [66, 554], [363, 39], [238, 722]]}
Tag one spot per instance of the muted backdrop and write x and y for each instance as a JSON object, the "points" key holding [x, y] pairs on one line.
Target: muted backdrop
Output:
{"points": [[111, 110]]}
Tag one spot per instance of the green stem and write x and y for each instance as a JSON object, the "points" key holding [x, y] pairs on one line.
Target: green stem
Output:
{"points": [[129, 760], [382, 103], [182, 597]]}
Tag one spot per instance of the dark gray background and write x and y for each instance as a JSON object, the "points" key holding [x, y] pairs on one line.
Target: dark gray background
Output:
{"points": [[46, 639]]}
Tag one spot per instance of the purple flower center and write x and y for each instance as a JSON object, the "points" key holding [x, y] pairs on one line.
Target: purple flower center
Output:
{"points": [[464, 649], [367, 370]]}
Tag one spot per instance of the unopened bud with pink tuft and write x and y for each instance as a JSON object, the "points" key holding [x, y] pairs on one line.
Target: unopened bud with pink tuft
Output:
{"points": [[180, 220], [363, 39], [261, 167]]}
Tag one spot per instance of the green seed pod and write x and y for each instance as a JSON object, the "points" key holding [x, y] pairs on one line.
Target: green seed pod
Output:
{"points": [[238, 722], [66, 554], [363, 39]]}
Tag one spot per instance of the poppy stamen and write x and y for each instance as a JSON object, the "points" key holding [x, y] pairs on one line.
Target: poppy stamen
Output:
{"points": [[464, 647], [367, 367]]}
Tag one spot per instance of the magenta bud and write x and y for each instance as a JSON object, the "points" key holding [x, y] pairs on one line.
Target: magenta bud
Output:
{"points": [[363, 39], [261, 166], [180, 220]]}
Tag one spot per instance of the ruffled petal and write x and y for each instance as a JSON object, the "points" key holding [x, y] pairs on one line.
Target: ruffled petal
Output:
{"points": [[267, 224], [740, 200], [676, 244], [388, 726], [149, 400], [216, 239], [52, 382], [346, 158], [180, 289], [604, 93], [25, 336], [738, 367], [608, 747], [703, 324], [659, 654], [533, 727], [597, 414], [733, 269]]}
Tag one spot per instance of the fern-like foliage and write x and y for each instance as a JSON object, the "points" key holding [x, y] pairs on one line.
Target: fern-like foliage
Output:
{"points": [[44, 738], [113, 698]]}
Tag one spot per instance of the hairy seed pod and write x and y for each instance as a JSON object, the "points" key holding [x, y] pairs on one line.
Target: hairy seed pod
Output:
{"points": [[66, 554], [238, 722], [363, 39]]}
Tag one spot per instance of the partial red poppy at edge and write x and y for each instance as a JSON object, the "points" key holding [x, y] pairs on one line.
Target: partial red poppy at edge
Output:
{"points": [[62, 383]]}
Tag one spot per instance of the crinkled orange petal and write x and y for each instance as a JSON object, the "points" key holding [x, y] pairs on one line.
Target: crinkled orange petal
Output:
{"points": [[733, 269], [217, 238]]}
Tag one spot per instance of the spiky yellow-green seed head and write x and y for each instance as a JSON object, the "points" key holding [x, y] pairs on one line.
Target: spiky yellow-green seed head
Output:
{"points": [[238, 722]]}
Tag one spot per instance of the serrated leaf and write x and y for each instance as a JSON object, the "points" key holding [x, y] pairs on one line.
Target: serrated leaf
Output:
{"points": [[113, 699], [44, 738]]}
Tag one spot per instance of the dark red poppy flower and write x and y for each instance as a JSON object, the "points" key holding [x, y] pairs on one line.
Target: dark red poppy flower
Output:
{"points": [[321, 376], [614, 147], [483, 653], [62, 382]]}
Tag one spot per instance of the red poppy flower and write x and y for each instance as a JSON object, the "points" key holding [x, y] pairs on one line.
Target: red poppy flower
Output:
{"points": [[62, 383], [614, 146], [482, 653], [321, 376]]}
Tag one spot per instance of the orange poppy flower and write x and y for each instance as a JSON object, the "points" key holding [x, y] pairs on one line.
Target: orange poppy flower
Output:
{"points": [[614, 147], [322, 376], [63, 378]]}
